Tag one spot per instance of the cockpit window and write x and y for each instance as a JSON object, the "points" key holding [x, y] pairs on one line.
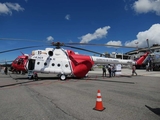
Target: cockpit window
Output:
{"points": [[20, 61]]}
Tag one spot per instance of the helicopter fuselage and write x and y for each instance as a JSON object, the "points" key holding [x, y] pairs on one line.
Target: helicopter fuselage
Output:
{"points": [[60, 61], [66, 62]]}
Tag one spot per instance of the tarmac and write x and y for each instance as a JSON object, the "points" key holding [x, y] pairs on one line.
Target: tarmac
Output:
{"points": [[124, 97], [124, 72]]}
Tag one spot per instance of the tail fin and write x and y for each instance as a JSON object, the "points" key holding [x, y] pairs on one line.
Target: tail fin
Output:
{"points": [[142, 58]]}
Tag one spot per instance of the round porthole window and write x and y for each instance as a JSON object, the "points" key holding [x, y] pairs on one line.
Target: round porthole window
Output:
{"points": [[45, 63], [58, 65], [66, 65], [50, 53], [53, 64]]}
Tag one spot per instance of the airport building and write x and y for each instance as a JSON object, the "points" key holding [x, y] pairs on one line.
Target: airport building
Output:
{"points": [[152, 62]]}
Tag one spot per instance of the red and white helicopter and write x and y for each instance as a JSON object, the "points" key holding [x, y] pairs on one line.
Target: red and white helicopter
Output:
{"points": [[18, 65], [65, 62]]}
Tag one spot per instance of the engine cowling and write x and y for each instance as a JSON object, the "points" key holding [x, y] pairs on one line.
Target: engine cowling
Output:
{"points": [[80, 64]]}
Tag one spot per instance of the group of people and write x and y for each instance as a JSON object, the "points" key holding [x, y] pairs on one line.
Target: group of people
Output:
{"points": [[111, 70]]}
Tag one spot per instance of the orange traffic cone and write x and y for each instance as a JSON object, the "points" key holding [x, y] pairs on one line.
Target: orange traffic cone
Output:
{"points": [[99, 104]]}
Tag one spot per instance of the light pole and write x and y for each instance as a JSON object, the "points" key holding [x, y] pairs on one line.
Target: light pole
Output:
{"points": [[137, 45]]}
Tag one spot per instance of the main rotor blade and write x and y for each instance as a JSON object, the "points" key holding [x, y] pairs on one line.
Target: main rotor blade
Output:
{"points": [[100, 45], [28, 40], [3, 61], [19, 48], [83, 49], [14, 39]]}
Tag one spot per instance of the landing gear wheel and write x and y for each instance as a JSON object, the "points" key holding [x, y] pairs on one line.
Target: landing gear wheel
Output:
{"points": [[30, 77], [63, 77]]}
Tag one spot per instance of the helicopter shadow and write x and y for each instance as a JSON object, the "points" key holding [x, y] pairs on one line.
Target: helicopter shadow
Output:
{"points": [[154, 110], [39, 78], [23, 80], [102, 80], [56, 78], [14, 84], [94, 78], [106, 79], [26, 80]]}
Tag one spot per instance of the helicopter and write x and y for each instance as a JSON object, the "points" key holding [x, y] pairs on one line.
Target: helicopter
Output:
{"points": [[65, 62], [18, 65]]}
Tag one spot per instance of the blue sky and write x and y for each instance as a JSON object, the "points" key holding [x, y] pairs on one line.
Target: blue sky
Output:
{"points": [[120, 22]]}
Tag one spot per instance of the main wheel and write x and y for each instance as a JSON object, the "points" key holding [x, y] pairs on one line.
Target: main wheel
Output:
{"points": [[30, 77], [63, 77]]}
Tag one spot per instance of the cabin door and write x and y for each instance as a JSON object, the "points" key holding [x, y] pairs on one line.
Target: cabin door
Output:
{"points": [[31, 64]]}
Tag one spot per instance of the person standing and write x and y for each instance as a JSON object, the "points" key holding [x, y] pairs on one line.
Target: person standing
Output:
{"points": [[113, 70], [6, 70], [109, 70], [104, 70], [134, 70]]}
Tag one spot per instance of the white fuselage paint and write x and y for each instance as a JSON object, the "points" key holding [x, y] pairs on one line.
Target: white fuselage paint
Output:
{"points": [[57, 63], [101, 60]]}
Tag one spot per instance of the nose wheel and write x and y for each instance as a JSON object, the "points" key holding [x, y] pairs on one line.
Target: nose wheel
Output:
{"points": [[63, 77]]}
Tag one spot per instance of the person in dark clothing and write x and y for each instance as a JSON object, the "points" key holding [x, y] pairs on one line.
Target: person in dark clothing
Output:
{"points": [[113, 70], [104, 71], [109, 70], [134, 70], [35, 76], [6, 70]]}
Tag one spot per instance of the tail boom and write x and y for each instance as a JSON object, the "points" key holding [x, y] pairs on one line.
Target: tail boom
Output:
{"points": [[101, 60]]}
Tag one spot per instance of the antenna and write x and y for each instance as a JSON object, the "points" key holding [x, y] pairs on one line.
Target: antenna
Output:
{"points": [[148, 45]]}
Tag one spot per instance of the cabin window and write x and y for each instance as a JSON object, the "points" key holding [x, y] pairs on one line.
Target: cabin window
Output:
{"points": [[53, 64], [39, 52], [50, 53], [66, 65], [20, 61], [58, 65], [45, 63], [38, 63]]}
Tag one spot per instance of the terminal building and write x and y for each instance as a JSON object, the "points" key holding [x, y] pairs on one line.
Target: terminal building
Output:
{"points": [[152, 62]]}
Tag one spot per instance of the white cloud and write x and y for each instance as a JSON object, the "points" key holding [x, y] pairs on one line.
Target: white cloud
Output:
{"points": [[145, 6], [98, 34], [116, 43], [152, 34], [67, 17], [7, 8], [50, 38]]}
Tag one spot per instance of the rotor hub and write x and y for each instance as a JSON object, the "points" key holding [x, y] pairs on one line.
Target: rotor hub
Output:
{"points": [[57, 44]]}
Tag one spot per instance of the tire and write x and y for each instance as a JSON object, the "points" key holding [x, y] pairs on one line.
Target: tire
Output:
{"points": [[30, 77], [63, 77], [36, 78]]}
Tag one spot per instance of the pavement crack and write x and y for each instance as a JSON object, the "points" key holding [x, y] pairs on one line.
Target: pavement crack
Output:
{"points": [[63, 110], [51, 101]]}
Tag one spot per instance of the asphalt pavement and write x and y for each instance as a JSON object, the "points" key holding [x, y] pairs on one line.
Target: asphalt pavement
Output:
{"points": [[124, 97]]}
